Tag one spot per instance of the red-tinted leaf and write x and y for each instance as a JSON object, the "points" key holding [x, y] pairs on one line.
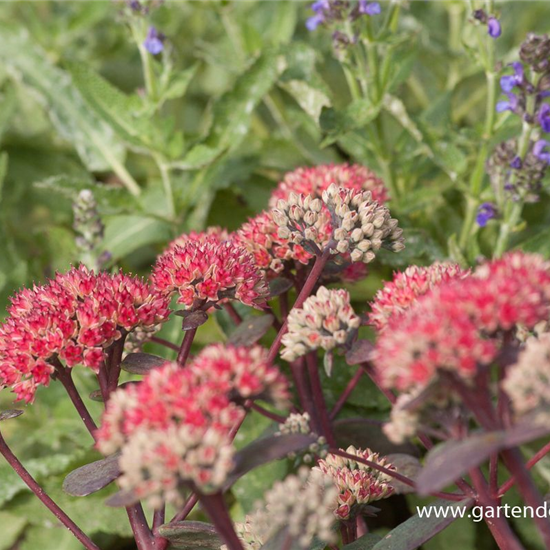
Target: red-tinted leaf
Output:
{"points": [[279, 286], [141, 363], [11, 413], [91, 478], [360, 352], [191, 535], [406, 465], [97, 396], [193, 319], [251, 330]]}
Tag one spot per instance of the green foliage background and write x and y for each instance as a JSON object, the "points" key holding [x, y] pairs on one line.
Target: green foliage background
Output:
{"points": [[244, 94]]}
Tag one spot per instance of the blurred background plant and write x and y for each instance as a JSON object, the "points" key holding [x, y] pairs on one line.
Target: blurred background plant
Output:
{"points": [[124, 124]]}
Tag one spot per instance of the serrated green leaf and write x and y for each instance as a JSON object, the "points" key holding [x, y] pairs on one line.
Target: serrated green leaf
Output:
{"points": [[94, 141], [179, 82], [311, 99]]}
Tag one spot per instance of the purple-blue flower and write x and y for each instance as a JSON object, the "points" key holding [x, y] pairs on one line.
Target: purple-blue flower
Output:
{"points": [[541, 150], [516, 164], [485, 212], [314, 21], [509, 82], [493, 27], [320, 6], [544, 117], [369, 8], [154, 41], [509, 105]]}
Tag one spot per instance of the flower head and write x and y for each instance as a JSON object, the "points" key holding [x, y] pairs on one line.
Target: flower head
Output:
{"points": [[357, 484], [326, 320], [369, 8], [209, 271], [243, 372], [406, 287], [486, 211], [509, 82], [541, 150], [249, 539], [314, 180], [508, 105], [71, 320], [154, 42], [212, 234], [302, 504], [544, 117], [493, 27], [535, 51], [527, 383]]}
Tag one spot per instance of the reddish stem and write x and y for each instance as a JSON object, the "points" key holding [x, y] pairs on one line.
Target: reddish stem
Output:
{"points": [[64, 375], [114, 361], [302, 385], [233, 313], [499, 527], [319, 398], [186, 346], [311, 281], [159, 517], [283, 305], [268, 414], [346, 393], [165, 343], [31, 483], [215, 507]]}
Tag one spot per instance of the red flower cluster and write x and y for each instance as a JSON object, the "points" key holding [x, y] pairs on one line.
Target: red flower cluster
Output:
{"points": [[406, 287], [459, 324], [214, 232], [314, 180], [242, 372], [72, 318], [207, 269]]}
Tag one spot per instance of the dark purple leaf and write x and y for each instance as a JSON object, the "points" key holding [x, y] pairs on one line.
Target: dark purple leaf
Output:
{"points": [[361, 352], [366, 542], [279, 286], [266, 450], [362, 432], [406, 465], [122, 499], [11, 413], [192, 319], [417, 530], [141, 363], [91, 478], [251, 330], [525, 432], [97, 396], [191, 535]]}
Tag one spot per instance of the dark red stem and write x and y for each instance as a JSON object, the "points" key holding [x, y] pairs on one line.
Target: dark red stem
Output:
{"points": [[165, 343], [319, 398], [20, 470], [215, 507], [268, 414], [233, 313], [186, 346], [311, 281], [302, 385], [115, 358], [346, 393]]}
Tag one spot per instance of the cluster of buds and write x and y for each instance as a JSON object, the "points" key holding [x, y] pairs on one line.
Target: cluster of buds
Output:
{"points": [[89, 228], [156, 464], [141, 335], [71, 320], [207, 270], [297, 423], [406, 287], [458, 325], [527, 383], [244, 373], [325, 320], [302, 505], [357, 484], [361, 225], [535, 52], [493, 24]]}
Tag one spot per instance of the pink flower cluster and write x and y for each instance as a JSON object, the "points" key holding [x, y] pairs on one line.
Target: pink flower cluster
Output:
{"points": [[459, 324], [207, 269], [218, 233], [192, 408], [406, 287], [71, 319], [316, 179], [357, 483]]}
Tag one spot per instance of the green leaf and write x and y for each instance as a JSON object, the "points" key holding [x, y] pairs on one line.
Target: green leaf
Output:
{"points": [[94, 140], [124, 234], [3, 170], [179, 82], [311, 99], [233, 111], [539, 244], [119, 111], [7, 108], [52, 538], [11, 528], [414, 532], [191, 535]]}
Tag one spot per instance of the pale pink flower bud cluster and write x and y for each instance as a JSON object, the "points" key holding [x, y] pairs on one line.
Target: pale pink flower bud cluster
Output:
{"points": [[137, 338], [297, 423], [314, 180], [210, 270], [458, 325], [399, 294], [245, 531], [244, 372], [71, 320], [527, 383], [357, 484], [302, 220], [325, 320], [361, 225], [302, 505], [154, 463]]}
